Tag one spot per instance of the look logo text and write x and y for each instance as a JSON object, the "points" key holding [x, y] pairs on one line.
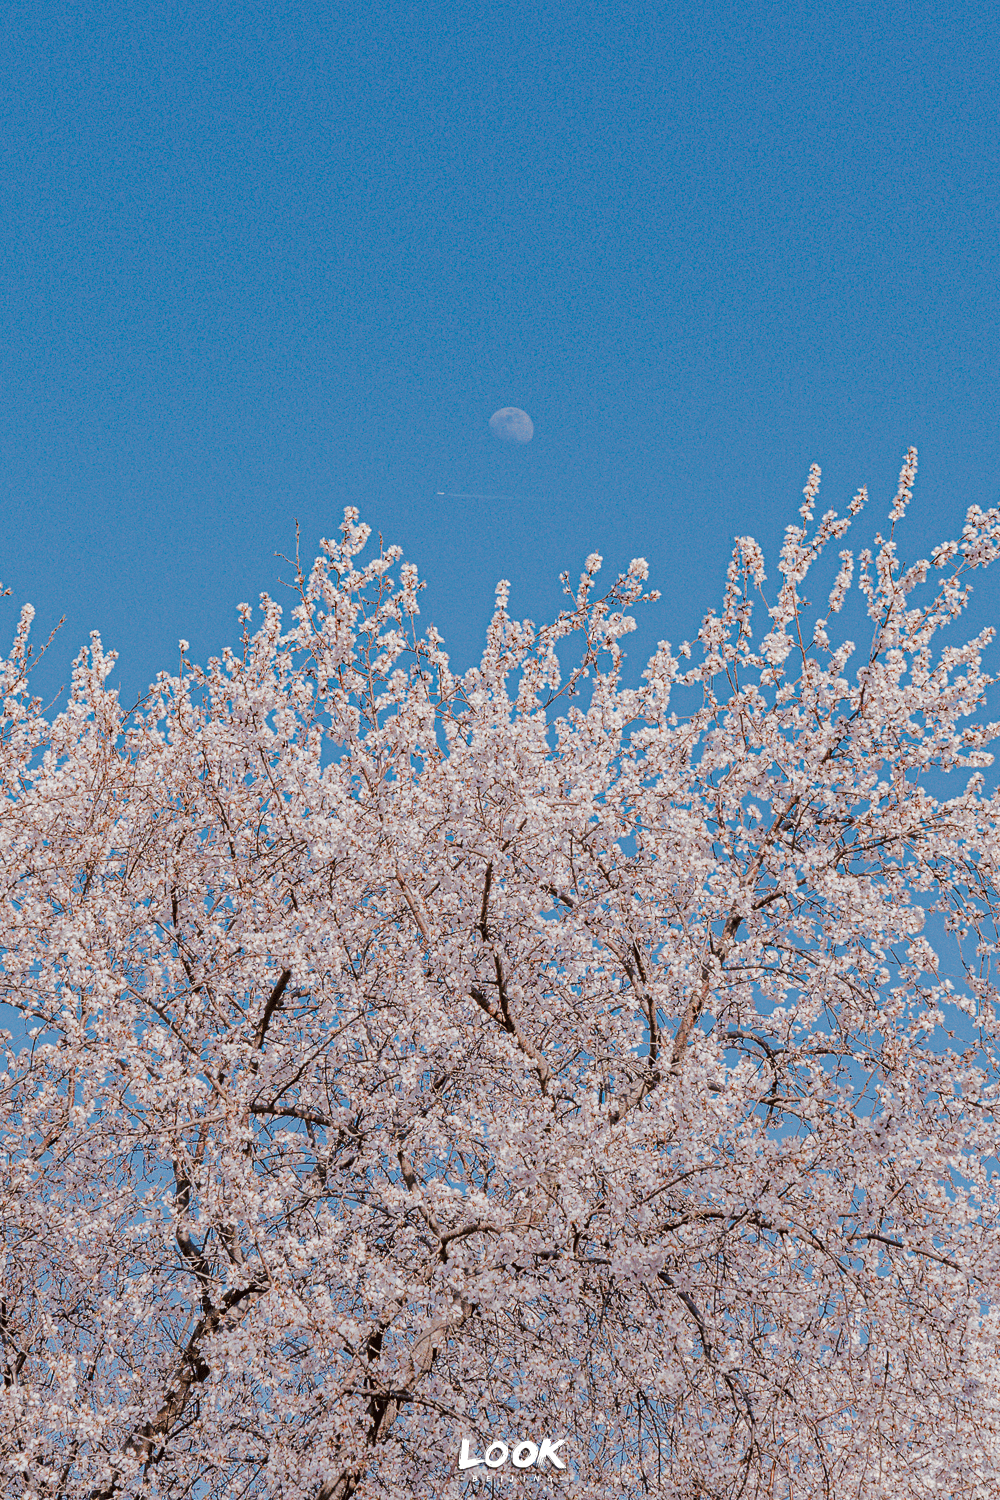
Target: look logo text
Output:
{"points": [[524, 1455]]}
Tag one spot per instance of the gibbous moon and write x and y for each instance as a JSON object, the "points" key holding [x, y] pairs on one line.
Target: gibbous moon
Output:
{"points": [[512, 425]]}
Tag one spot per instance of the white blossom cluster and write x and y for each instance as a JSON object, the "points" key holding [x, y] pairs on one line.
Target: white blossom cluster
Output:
{"points": [[403, 1058]]}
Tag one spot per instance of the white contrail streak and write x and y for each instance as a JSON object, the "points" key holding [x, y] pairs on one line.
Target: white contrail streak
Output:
{"points": [[460, 495]]}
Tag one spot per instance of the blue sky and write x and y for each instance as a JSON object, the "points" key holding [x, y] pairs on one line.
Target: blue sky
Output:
{"points": [[262, 262]]}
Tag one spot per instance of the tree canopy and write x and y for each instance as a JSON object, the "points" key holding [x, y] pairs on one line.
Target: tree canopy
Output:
{"points": [[416, 1057]]}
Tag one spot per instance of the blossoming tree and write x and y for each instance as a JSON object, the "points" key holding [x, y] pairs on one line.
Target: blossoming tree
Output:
{"points": [[403, 1059]]}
